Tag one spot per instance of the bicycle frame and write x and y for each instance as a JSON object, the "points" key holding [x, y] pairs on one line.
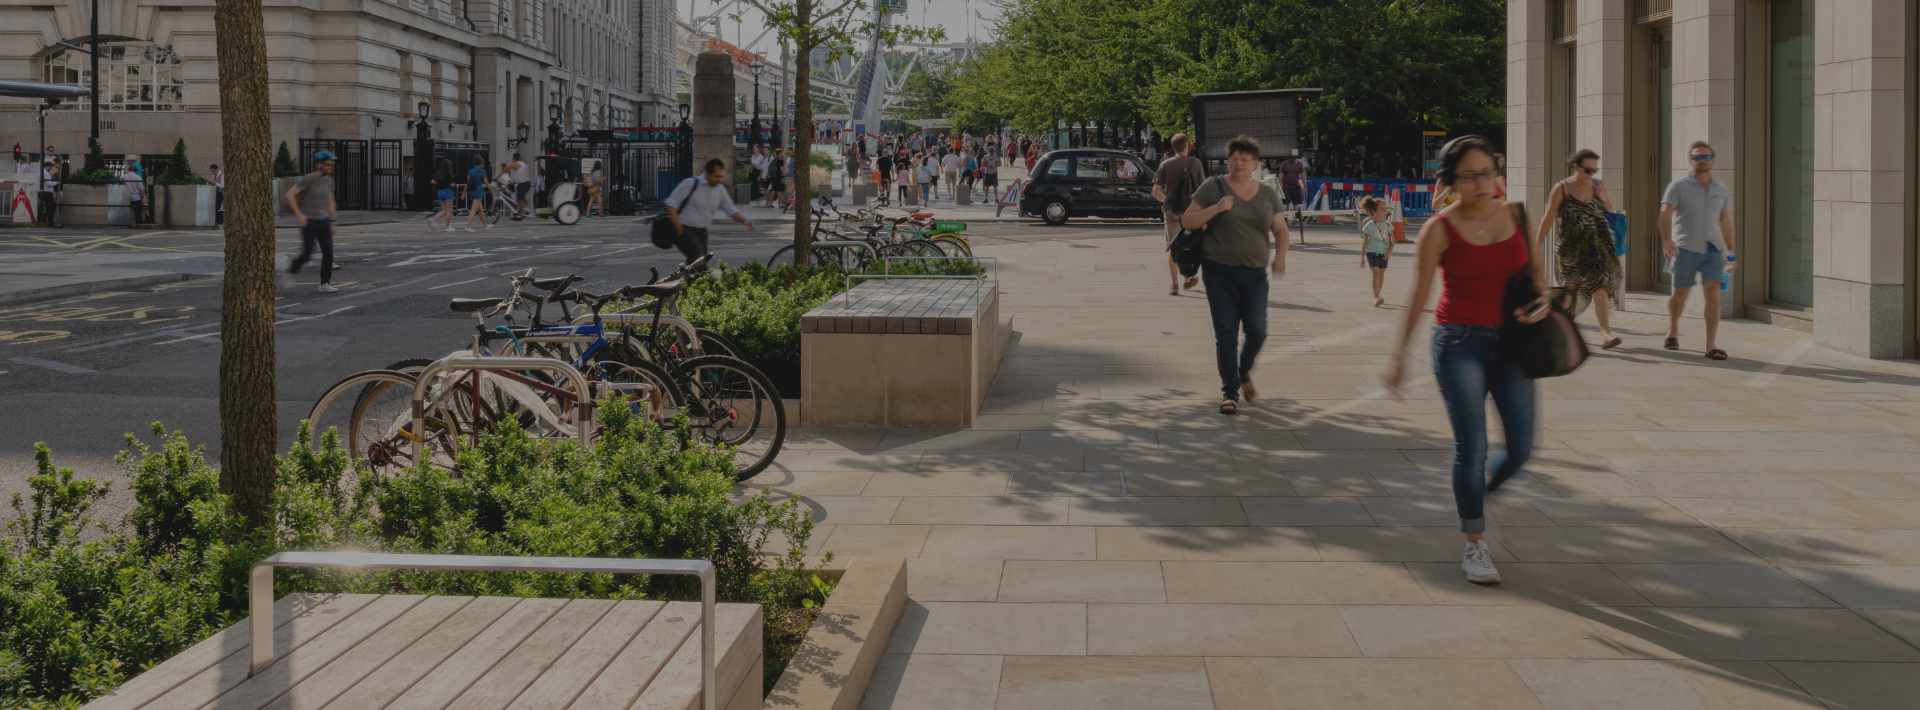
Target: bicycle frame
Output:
{"points": [[583, 408]]}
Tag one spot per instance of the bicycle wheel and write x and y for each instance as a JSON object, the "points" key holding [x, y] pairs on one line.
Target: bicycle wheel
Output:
{"points": [[783, 257], [372, 413], [952, 244], [734, 404]]}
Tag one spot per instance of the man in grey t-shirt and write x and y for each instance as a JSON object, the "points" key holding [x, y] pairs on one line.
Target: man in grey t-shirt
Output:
{"points": [[1696, 234], [312, 200], [1173, 185]]}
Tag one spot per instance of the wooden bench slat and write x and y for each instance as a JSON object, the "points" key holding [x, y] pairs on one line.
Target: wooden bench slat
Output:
{"points": [[212, 682], [472, 661], [534, 655], [557, 688], [289, 671], [349, 669], [183, 666], [636, 665], [390, 681], [736, 634]]}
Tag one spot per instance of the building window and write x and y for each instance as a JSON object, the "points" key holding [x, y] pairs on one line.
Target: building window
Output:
{"points": [[1790, 152], [134, 76]]}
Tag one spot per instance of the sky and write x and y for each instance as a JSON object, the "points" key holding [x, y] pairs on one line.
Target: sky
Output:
{"points": [[953, 15]]}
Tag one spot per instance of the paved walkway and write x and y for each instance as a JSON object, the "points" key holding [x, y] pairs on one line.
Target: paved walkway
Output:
{"points": [[1691, 534]]}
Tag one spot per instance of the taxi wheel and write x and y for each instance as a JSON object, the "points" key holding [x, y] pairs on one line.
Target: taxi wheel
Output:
{"points": [[1054, 212]]}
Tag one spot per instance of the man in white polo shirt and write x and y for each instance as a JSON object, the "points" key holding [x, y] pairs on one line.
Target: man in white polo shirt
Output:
{"points": [[1696, 234]]}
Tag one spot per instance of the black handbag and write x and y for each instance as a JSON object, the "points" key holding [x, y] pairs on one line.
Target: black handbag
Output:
{"points": [[1185, 248], [1551, 346], [664, 235]]}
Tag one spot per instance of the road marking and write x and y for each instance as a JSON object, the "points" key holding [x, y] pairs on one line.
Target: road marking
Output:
{"points": [[432, 259], [276, 323], [144, 336], [457, 283], [54, 366]]}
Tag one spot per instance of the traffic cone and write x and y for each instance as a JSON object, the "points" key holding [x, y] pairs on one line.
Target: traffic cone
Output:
{"points": [[1399, 219], [1322, 201]]}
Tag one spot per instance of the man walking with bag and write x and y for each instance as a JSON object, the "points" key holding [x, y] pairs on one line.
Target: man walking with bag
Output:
{"points": [[1173, 185], [699, 198]]}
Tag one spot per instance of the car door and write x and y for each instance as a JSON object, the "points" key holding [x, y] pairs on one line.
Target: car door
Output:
{"points": [[1132, 189], [1092, 186]]}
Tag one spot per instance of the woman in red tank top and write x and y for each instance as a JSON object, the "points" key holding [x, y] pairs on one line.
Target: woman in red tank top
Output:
{"points": [[1477, 245]]}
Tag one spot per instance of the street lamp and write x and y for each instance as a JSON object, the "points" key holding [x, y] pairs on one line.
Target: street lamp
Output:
{"points": [[753, 134], [422, 126], [553, 129], [778, 110], [519, 136]]}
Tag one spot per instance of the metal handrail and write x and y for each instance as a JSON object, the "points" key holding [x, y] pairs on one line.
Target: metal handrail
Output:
{"points": [[260, 590], [583, 404]]}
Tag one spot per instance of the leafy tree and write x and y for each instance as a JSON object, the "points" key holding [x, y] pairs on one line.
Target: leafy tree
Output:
{"points": [[95, 166], [179, 171], [833, 26]]}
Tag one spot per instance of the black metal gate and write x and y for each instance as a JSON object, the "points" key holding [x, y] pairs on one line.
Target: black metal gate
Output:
{"points": [[349, 169], [461, 154], [386, 176], [638, 174]]}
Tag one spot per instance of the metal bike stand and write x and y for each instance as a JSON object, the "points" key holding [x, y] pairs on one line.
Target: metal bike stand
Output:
{"points": [[583, 404], [260, 587], [625, 318]]}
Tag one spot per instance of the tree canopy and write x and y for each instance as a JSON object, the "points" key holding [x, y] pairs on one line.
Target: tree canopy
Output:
{"points": [[1388, 67]]}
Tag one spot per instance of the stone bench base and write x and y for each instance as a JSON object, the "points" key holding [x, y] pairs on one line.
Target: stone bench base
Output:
{"points": [[907, 353]]}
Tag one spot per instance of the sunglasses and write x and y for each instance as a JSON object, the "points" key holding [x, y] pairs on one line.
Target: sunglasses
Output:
{"points": [[1700, 158]]}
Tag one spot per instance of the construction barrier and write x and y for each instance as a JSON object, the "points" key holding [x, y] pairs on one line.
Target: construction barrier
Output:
{"points": [[1009, 198]]}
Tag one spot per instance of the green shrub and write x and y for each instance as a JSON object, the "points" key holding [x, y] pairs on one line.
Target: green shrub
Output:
{"points": [[94, 169], [79, 618], [283, 165], [179, 171]]}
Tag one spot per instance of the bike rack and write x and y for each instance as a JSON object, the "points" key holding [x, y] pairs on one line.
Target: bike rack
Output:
{"points": [[625, 318], [885, 275], [583, 404], [260, 586]]}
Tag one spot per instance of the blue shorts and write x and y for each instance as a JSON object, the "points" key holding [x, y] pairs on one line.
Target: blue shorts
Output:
{"points": [[1709, 267], [444, 194]]}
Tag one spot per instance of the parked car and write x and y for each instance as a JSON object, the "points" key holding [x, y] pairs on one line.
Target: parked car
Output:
{"points": [[1089, 182]]}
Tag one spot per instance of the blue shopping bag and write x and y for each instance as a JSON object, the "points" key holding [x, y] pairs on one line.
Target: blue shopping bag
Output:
{"points": [[1617, 221]]}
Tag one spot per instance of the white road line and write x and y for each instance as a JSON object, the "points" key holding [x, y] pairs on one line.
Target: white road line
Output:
{"points": [[54, 366], [276, 323], [457, 283], [155, 334]]}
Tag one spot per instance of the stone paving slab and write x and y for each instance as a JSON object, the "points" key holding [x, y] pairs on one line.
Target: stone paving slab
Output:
{"points": [[1689, 533]]}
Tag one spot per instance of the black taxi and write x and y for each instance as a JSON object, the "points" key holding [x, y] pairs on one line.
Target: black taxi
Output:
{"points": [[1088, 182]]}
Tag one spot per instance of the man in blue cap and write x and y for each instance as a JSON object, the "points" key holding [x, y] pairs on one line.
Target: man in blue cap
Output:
{"points": [[312, 201]]}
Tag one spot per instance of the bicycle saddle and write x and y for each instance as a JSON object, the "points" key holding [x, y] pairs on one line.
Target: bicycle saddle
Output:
{"points": [[556, 282], [659, 290], [469, 305]]}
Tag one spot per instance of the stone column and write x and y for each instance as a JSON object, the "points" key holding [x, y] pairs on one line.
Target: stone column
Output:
{"points": [[1528, 165], [1600, 122], [1705, 36], [1859, 154], [713, 110]]}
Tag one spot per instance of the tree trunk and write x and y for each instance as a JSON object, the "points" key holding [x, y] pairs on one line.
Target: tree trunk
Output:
{"points": [[248, 434], [803, 134]]}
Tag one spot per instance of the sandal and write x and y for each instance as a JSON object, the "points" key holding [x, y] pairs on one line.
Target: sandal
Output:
{"points": [[1229, 407], [1191, 280], [1716, 354], [1673, 344], [1611, 343]]}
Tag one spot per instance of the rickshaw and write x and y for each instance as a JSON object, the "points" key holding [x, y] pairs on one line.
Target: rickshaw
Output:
{"points": [[566, 197]]}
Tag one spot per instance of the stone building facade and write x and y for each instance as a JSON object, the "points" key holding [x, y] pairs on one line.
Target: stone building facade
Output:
{"points": [[1810, 106], [348, 69]]}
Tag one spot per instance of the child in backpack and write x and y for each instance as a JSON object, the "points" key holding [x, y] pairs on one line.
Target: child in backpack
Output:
{"points": [[1379, 234]]}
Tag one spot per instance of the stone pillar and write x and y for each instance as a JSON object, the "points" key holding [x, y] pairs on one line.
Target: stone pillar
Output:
{"points": [[713, 110], [1705, 37], [1859, 154], [1529, 172], [1600, 122]]}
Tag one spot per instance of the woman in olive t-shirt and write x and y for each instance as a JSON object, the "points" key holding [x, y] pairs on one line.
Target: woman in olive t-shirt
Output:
{"points": [[1239, 213]]}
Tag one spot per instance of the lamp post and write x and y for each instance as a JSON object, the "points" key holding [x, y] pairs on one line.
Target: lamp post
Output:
{"points": [[779, 99], [553, 129], [753, 133], [519, 136], [683, 160], [422, 155], [93, 72]]}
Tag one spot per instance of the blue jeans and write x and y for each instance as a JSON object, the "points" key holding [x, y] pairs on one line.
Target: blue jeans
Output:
{"points": [[1468, 364], [1237, 298]]}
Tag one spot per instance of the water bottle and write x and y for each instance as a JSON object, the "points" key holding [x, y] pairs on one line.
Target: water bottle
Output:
{"points": [[1726, 279]]}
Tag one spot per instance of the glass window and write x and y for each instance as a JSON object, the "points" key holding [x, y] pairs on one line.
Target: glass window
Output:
{"points": [[1058, 168], [1790, 150], [1090, 168], [1127, 169], [134, 76]]}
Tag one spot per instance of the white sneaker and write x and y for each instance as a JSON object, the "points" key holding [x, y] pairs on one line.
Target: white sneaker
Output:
{"points": [[1478, 563], [1378, 301], [489, 227], [469, 229], [451, 229], [328, 288]]}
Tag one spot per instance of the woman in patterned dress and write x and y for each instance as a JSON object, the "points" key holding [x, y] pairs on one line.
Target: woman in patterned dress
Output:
{"points": [[1589, 269]]}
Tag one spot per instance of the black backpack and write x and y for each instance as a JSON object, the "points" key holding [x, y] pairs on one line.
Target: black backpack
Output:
{"points": [[1180, 189]]}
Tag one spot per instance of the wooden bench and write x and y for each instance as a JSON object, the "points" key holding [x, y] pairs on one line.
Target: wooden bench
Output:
{"points": [[903, 352], [405, 652]]}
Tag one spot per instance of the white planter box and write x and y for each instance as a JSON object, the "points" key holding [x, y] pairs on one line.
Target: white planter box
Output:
{"points": [[95, 206], [183, 205]]}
